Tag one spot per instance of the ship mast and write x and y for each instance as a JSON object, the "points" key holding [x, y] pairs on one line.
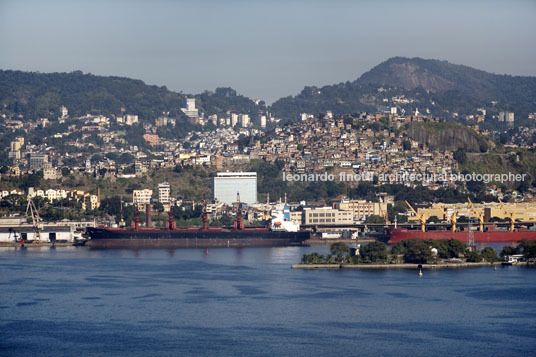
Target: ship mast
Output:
{"points": [[238, 223], [204, 216], [121, 219]]}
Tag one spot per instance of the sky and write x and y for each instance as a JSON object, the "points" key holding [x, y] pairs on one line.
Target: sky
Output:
{"points": [[263, 49]]}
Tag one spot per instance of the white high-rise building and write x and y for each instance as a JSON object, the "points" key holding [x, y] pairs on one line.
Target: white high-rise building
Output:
{"points": [[234, 119], [164, 190], [190, 110], [244, 120], [263, 121], [227, 185], [190, 104]]}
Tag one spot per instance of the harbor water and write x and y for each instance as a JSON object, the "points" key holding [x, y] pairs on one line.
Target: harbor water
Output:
{"points": [[249, 302]]}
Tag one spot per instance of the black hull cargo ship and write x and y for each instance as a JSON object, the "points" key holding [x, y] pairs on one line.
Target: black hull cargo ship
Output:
{"points": [[205, 237]]}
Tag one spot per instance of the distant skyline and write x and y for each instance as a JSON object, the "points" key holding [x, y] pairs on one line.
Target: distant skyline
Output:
{"points": [[263, 49]]}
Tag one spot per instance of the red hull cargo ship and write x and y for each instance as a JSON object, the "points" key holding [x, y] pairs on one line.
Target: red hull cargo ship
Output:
{"points": [[205, 237], [490, 236]]}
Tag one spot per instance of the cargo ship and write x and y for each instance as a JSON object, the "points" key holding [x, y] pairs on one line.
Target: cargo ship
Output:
{"points": [[487, 231], [487, 236], [279, 233]]}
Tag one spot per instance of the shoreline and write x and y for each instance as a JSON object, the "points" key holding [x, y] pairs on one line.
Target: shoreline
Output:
{"points": [[400, 266], [327, 241], [36, 245]]}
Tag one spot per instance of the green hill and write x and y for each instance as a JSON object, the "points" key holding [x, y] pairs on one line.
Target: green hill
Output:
{"points": [[438, 85], [36, 95]]}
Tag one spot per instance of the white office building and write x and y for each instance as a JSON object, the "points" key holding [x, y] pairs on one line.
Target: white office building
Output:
{"points": [[226, 185]]}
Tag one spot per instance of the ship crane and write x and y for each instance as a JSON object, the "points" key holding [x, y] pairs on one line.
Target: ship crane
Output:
{"points": [[480, 216], [419, 216], [453, 219], [510, 215], [31, 211]]}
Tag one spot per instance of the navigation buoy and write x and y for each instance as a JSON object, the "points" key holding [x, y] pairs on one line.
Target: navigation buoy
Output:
{"points": [[206, 252], [420, 272]]}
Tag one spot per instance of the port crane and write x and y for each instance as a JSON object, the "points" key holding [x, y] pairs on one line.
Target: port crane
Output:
{"points": [[453, 219], [510, 215], [31, 211], [420, 217], [480, 216]]}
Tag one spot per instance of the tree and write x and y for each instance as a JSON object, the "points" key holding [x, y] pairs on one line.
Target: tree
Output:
{"points": [[507, 250], [126, 158], [111, 205], [528, 248], [455, 248], [414, 251], [374, 252], [474, 257], [489, 254], [373, 218], [339, 249], [406, 145], [460, 156], [523, 186], [65, 171], [158, 206], [313, 258]]}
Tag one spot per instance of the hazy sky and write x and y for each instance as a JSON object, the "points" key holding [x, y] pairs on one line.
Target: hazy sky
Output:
{"points": [[263, 49]]}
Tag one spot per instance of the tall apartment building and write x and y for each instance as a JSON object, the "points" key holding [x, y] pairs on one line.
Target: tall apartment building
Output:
{"points": [[38, 161], [234, 119], [164, 191], [142, 197], [244, 120]]}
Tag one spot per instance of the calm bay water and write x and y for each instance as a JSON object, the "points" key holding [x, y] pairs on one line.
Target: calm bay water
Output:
{"points": [[249, 302]]}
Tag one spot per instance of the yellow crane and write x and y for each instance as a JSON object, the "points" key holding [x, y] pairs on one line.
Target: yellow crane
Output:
{"points": [[453, 219], [419, 216], [509, 214], [480, 216]]}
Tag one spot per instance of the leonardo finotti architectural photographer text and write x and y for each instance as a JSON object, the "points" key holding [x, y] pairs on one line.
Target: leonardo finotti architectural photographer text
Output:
{"points": [[405, 177]]}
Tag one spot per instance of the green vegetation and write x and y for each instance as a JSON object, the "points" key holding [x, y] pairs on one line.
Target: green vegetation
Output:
{"points": [[501, 160], [374, 252], [525, 247], [413, 251], [416, 251], [42, 95]]}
